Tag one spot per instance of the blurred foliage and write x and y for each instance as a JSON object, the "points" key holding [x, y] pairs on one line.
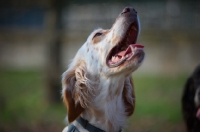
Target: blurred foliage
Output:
{"points": [[24, 108]]}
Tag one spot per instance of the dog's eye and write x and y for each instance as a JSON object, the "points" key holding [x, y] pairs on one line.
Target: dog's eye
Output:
{"points": [[97, 34]]}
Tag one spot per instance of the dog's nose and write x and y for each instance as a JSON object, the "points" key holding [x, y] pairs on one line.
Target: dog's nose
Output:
{"points": [[128, 9]]}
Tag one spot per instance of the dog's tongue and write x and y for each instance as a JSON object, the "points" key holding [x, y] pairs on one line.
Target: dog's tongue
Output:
{"points": [[128, 50], [198, 114]]}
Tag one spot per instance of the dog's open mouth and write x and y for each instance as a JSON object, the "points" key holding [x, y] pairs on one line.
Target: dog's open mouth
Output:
{"points": [[126, 49]]}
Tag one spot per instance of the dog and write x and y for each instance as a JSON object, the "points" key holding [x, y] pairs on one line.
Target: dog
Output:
{"points": [[191, 102], [97, 88]]}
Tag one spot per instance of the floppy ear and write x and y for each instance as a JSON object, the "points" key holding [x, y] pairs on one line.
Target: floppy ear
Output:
{"points": [[129, 96], [74, 108], [77, 89]]}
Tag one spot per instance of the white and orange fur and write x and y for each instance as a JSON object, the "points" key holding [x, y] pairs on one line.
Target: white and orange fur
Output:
{"points": [[102, 95]]}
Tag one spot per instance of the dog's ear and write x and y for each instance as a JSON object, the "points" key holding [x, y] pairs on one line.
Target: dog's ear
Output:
{"points": [[74, 108], [129, 96]]}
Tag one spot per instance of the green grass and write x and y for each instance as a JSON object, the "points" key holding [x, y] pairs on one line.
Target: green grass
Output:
{"points": [[158, 103], [25, 108], [23, 102]]}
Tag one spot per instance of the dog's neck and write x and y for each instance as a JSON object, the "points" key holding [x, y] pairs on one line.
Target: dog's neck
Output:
{"points": [[110, 115]]}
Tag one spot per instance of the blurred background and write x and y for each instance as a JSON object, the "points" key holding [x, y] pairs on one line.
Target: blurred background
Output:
{"points": [[38, 38]]}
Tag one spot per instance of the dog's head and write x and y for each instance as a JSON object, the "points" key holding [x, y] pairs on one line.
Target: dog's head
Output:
{"points": [[107, 53], [114, 51]]}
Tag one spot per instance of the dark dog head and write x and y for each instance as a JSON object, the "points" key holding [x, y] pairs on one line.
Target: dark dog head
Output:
{"points": [[196, 83]]}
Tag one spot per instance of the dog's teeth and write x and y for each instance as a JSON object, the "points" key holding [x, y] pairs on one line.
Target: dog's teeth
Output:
{"points": [[113, 58], [132, 48], [136, 48]]}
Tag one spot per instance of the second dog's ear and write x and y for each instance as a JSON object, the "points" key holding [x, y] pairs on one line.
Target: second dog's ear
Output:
{"points": [[74, 108]]}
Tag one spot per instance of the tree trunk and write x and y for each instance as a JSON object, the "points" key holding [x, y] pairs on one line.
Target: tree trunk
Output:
{"points": [[54, 61]]}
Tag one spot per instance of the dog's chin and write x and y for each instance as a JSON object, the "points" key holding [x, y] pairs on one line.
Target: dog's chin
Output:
{"points": [[133, 63]]}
